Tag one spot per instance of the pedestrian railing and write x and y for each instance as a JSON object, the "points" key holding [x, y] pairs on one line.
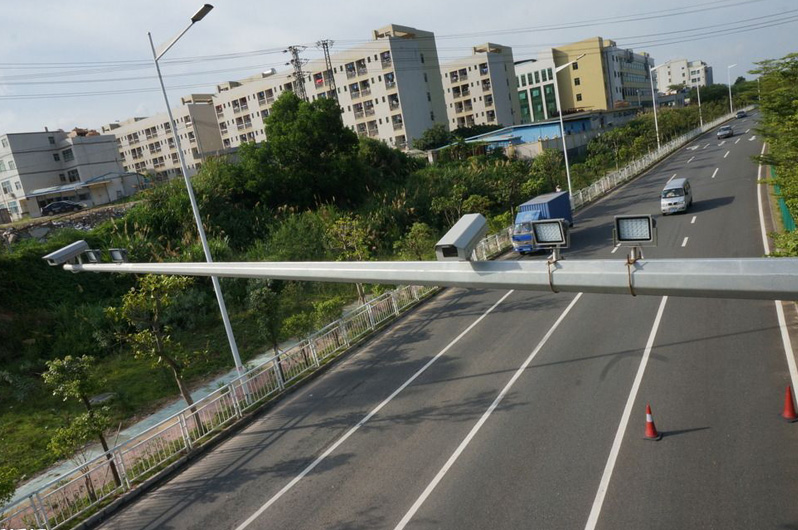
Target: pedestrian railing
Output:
{"points": [[83, 491]]}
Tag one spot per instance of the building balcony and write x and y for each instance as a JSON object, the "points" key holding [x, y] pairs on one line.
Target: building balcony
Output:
{"points": [[393, 105], [262, 102], [350, 74], [390, 84], [134, 141], [369, 112], [354, 95], [362, 70], [386, 63], [359, 114], [397, 125], [240, 108], [485, 86], [365, 91], [373, 132]]}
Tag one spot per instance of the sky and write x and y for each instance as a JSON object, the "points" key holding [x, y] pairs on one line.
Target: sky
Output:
{"points": [[87, 63]]}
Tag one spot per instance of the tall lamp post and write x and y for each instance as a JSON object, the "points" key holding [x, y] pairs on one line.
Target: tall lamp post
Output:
{"points": [[700, 116], [654, 99], [562, 126], [731, 105], [156, 55]]}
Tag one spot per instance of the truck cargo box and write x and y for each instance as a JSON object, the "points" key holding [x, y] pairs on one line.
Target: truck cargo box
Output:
{"points": [[556, 205]]}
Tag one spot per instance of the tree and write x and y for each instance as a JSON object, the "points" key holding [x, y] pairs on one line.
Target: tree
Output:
{"points": [[740, 79], [436, 136], [8, 483], [350, 238], [71, 442], [417, 244], [269, 314], [144, 309], [74, 378]]}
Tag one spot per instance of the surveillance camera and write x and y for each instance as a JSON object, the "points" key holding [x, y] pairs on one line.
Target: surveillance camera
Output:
{"points": [[460, 241], [69, 254]]}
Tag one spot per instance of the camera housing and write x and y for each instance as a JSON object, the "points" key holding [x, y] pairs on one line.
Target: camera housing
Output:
{"points": [[69, 254], [459, 242]]}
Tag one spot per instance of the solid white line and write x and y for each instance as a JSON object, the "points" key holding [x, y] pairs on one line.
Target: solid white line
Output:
{"points": [[692, 221], [727, 154], [475, 429], [604, 485], [367, 417], [715, 172], [737, 141], [785, 335], [691, 159], [684, 243]]}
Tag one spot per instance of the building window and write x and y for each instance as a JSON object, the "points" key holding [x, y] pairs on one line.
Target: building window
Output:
{"points": [[6, 185], [579, 97], [421, 57], [12, 165], [62, 177], [2, 166], [68, 155], [56, 157], [576, 66], [18, 185], [5, 142], [548, 71], [577, 81], [51, 140], [73, 175]]}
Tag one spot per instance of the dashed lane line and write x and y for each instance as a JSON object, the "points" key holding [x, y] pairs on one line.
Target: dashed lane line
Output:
{"points": [[727, 154], [715, 172], [684, 242], [371, 414], [692, 221]]}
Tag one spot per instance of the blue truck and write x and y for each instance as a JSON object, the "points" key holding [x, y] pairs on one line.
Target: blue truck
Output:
{"points": [[555, 205]]}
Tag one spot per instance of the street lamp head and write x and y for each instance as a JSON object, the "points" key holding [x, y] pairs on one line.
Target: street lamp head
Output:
{"points": [[199, 15]]}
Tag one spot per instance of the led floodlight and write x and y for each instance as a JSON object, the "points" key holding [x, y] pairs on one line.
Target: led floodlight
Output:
{"points": [[118, 255], [550, 233], [93, 255], [635, 230]]}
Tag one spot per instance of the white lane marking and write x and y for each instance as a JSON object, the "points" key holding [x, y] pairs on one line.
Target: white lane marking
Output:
{"points": [[673, 177], [785, 335], [715, 172], [692, 221], [684, 242], [475, 429], [737, 141], [746, 131], [705, 146], [604, 485], [691, 148], [614, 250], [721, 143], [727, 154], [691, 159], [752, 138], [371, 414]]}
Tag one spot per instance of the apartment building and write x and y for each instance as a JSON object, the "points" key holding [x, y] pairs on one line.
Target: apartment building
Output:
{"points": [[480, 89], [146, 145], [682, 72], [606, 77], [535, 85], [389, 88], [38, 168]]}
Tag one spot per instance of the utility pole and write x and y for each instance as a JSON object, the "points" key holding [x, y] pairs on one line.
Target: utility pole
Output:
{"points": [[299, 75], [325, 46]]}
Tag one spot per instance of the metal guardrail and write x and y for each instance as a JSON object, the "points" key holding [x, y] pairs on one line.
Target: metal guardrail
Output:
{"points": [[90, 486]]}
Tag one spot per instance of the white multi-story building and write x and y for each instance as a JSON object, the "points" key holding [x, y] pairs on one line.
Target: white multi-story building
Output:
{"points": [[146, 145], [389, 88], [480, 89], [41, 167], [682, 72]]}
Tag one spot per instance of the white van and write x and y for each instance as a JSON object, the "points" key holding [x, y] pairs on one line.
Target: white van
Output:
{"points": [[676, 196]]}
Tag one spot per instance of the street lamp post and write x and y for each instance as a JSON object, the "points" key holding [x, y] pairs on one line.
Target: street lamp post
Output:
{"points": [[654, 99], [562, 126], [700, 116], [156, 55], [731, 105]]}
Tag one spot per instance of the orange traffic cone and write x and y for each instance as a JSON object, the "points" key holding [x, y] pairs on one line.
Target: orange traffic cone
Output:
{"points": [[789, 407], [651, 429]]}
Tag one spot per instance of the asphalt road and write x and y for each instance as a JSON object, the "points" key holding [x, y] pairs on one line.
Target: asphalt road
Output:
{"points": [[496, 409]]}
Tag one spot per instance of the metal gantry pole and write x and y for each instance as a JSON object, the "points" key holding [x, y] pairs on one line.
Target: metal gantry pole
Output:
{"points": [[654, 101], [217, 288]]}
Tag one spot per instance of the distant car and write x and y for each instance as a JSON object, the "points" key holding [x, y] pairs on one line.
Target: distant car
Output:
{"points": [[725, 132], [741, 114], [60, 207]]}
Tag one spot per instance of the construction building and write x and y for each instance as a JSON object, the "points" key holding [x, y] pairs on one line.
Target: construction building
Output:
{"points": [[480, 89], [682, 73], [38, 168], [146, 145]]}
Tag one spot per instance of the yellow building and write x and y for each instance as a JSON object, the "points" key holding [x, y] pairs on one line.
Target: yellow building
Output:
{"points": [[605, 78]]}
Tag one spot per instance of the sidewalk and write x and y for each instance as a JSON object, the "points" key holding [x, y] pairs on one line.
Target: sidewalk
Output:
{"points": [[137, 428]]}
